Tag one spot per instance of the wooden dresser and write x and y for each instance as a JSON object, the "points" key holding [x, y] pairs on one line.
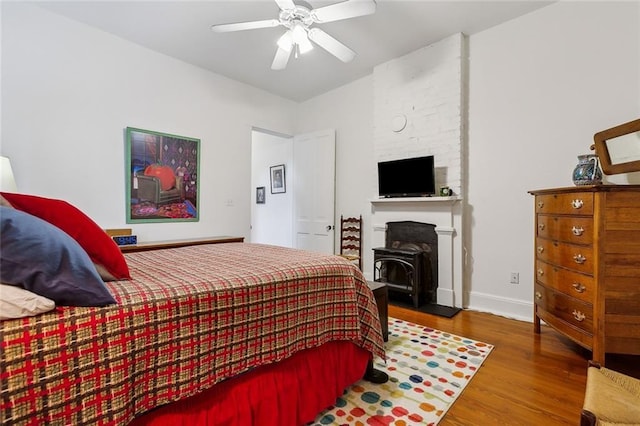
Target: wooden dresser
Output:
{"points": [[587, 266]]}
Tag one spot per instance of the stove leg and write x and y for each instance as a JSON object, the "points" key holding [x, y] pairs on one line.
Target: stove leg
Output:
{"points": [[375, 376]]}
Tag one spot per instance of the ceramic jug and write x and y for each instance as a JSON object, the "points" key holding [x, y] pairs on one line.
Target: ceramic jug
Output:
{"points": [[587, 171]]}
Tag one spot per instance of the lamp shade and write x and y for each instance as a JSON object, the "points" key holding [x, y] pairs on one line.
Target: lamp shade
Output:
{"points": [[7, 182]]}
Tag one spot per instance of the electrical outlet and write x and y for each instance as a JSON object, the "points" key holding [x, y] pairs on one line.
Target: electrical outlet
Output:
{"points": [[515, 278]]}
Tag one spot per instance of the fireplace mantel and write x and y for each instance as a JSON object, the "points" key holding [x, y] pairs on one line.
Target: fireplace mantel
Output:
{"points": [[443, 212], [404, 200]]}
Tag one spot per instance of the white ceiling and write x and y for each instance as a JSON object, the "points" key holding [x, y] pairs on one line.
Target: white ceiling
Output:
{"points": [[181, 29]]}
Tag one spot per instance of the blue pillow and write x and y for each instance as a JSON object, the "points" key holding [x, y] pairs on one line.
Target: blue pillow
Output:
{"points": [[43, 259]]}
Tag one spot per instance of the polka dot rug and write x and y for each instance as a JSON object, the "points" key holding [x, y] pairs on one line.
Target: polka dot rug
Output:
{"points": [[428, 369]]}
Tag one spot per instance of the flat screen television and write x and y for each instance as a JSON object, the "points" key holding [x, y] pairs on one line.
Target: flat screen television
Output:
{"points": [[409, 177]]}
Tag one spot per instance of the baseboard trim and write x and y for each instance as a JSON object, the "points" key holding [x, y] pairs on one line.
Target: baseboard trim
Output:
{"points": [[503, 306]]}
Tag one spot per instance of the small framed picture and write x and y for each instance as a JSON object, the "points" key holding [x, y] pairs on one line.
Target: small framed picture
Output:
{"points": [[260, 195], [277, 179]]}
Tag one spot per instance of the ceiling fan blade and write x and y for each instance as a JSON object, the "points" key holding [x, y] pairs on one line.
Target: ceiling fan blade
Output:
{"points": [[331, 45], [241, 26], [345, 10], [281, 59], [285, 4]]}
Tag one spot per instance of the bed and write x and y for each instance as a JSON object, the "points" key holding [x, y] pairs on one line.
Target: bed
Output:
{"points": [[218, 334]]}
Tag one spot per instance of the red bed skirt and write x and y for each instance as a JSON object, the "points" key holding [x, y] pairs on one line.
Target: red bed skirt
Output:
{"points": [[290, 393]]}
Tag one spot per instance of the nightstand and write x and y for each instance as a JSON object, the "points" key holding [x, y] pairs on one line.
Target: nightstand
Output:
{"points": [[180, 243], [381, 294]]}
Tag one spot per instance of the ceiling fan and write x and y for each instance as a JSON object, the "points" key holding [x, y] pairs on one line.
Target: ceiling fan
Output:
{"points": [[298, 18]]}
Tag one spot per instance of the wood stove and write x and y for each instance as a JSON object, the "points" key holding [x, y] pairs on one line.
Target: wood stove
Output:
{"points": [[408, 263]]}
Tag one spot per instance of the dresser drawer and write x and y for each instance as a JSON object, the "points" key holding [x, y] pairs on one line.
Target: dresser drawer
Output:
{"points": [[572, 229], [568, 309], [570, 256], [571, 283], [583, 338], [575, 203]]}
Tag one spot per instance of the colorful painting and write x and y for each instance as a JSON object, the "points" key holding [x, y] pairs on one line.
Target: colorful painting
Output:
{"points": [[162, 173]]}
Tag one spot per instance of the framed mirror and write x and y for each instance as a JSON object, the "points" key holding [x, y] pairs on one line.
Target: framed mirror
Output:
{"points": [[619, 148]]}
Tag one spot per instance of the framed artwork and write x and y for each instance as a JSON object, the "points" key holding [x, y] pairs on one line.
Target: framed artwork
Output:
{"points": [[260, 195], [278, 185], [161, 172]]}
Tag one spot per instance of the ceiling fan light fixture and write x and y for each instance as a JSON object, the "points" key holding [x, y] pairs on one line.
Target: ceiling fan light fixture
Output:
{"points": [[298, 32], [295, 38], [286, 41], [299, 18], [300, 38], [305, 46]]}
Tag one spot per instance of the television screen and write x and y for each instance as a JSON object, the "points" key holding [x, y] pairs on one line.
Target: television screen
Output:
{"points": [[409, 177]]}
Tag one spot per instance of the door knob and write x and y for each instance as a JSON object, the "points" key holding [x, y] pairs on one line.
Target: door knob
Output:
{"points": [[329, 228]]}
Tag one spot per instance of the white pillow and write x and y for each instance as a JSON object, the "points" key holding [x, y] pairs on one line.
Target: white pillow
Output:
{"points": [[16, 302]]}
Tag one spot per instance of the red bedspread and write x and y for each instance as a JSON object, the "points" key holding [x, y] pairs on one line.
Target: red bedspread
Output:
{"points": [[189, 318]]}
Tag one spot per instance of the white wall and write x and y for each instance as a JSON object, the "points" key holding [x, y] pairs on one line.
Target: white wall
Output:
{"points": [[68, 93], [349, 110], [540, 87], [271, 222]]}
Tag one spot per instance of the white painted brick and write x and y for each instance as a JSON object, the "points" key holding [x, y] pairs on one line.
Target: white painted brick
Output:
{"points": [[426, 86]]}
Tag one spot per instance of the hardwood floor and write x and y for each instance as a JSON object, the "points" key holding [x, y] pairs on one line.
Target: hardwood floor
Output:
{"points": [[528, 379]]}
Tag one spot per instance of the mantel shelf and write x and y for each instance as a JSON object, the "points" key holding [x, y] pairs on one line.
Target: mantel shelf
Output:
{"points": [[451, 199]]}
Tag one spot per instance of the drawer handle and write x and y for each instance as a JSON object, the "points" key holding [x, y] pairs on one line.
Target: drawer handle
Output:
{"points": [[579, 316], [576, 204], [577, 230], [578, 287], [580, 259], [540, 272], [538, 295], [540, 204], [541, 226], [540, 249]]}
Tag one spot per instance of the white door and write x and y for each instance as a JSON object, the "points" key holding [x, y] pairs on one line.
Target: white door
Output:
{"points": [[314, 169]]}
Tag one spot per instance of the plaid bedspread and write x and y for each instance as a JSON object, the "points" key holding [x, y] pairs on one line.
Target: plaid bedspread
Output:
{"points": [[190, 318]]}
